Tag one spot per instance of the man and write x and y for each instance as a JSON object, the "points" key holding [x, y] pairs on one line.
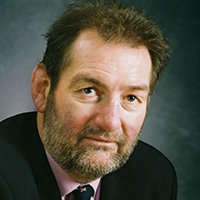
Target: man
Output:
{"points": [[91, 92]]}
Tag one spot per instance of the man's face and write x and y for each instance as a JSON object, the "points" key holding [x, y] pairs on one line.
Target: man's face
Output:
{"points": [[93, 118]]}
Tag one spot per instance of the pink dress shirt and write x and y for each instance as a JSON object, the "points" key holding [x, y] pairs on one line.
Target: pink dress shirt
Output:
{"points": [[65, 182]]}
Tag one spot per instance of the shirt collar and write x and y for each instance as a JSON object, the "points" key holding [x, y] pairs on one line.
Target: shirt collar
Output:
{"points": [[65, 182]]}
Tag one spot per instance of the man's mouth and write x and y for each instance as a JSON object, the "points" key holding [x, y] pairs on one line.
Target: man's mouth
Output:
{"points": [[101, 141]]}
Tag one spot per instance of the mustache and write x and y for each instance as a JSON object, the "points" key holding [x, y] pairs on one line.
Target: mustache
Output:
{"points": [[100, 132]]}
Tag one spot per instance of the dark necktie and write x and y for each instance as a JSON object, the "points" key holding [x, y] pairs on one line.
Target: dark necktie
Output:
{"points": [[83, 193]]}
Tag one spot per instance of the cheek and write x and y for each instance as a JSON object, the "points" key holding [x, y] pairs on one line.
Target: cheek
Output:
{"points": [[133, 126], [74, 116], [133, 131]]}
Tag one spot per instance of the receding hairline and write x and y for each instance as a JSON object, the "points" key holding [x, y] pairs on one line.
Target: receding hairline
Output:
{"points": [[132, 28], [90, 33]]}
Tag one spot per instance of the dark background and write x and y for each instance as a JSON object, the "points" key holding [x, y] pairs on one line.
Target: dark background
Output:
{"points": [[173, 121]]}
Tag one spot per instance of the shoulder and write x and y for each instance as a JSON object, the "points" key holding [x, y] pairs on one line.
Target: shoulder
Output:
{"points": [[15, 171], [146, 153], [150, 161], [148, 174], [12, 132], [16, 120], [12, 127], [147, 166], [153, 170]]}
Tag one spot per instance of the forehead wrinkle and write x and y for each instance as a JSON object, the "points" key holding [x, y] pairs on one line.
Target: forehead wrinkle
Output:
{"points": [[142, 87]]}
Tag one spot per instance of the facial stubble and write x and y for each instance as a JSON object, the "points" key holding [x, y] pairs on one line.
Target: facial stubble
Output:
{"points": [[75, 157]]}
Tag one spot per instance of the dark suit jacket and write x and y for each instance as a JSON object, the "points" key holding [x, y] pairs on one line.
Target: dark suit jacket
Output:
{"points": [[25, 173]]}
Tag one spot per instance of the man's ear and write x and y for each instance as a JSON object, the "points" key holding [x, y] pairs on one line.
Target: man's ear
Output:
{"points": [[40, 87]]}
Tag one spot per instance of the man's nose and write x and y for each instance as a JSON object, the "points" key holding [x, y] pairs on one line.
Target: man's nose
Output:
{"points": [[108, 116]]}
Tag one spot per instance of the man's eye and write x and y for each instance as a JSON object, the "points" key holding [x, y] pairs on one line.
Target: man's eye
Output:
{"points": [[131, 102], [89, 90], [131, 98], [87, 95]]}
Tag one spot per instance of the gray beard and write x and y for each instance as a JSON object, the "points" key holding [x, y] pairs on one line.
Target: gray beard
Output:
{"points": [[75, 159]]}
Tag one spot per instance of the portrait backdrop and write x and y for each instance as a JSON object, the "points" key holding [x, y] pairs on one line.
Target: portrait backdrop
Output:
{"points": [[172, 123]]}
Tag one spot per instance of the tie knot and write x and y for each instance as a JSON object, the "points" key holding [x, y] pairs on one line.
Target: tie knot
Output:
{"points": [[83, 192]]}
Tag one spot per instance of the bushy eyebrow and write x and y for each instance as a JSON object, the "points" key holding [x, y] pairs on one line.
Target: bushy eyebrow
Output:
{"points": [[139, 87], [87, 78]]}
